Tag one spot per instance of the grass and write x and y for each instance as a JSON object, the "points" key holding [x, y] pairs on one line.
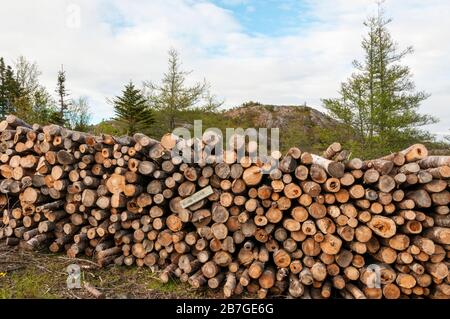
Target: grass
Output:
{"points": [[26, 284], [43, 275]]}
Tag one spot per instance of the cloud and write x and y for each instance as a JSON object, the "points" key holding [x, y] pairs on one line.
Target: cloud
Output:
{"points": [[121, 40], [234, 2]]}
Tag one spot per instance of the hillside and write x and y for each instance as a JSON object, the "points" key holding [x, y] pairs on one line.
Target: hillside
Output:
{"points": [[299, 125], [280, 116], [302, 126]]}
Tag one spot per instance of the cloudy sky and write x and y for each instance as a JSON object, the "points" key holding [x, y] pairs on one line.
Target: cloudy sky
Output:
{"points": [[278, 52]]}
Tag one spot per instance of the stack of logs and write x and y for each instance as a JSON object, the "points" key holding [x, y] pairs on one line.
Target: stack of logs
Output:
{"points": [[312, 227]]}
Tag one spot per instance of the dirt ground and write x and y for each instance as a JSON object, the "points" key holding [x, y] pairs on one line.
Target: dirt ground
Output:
{"points": [[26, 274]]}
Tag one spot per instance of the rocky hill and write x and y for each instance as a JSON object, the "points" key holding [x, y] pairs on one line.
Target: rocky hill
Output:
{"points": [[280, 115], [299, 124]]}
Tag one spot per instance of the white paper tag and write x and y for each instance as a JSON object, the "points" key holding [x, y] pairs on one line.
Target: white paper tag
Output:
{"points": [[194, 198]]}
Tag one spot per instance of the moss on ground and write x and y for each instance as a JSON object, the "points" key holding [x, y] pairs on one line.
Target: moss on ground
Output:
{"points": [[27, 284], [41, 275]]}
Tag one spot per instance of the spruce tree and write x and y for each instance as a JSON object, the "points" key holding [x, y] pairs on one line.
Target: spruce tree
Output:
{"points": [[132, 111], [59, 116], [379, 101], [3, 91], [21, 93], [10, 90]]}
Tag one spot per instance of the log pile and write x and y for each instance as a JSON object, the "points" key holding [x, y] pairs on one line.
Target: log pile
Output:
{"points": [[315, 226]]}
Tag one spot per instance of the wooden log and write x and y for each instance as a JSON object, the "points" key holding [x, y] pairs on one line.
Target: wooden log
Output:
{"points": [[415, 152], [382, 226], [440, 172], [332, 150], [384, 167], [420, 197], [397, 158], [331, 244], [371, 176], [252, 175], [386, 183], [440, 235], [335, 169], [434, 161]]}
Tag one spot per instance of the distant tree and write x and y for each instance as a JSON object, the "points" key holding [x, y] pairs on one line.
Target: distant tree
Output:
{"points": [[107, 127], [22, 95], [251, 103], [4, 93], [27, 75], [10, 90], [43, 107], [172, 98], [63, 103], [35, 104], [211, 103], [379, 101], [132, 111], [78, 115]]}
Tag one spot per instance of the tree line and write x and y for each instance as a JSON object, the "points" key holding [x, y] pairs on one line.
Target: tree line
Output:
{"points": [[22, 94], [158, 108], [377, 110]]}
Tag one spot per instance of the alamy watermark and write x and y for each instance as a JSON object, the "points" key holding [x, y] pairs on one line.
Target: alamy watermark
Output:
{"points": [[73, 16], [374, 276], [260, 145], [73, 276]]}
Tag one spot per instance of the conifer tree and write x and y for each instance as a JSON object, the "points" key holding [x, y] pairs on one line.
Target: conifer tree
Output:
{"points": [[379, 101], [132, 111], [173, 97], [3, 91], [10, 90], [63, 104]]}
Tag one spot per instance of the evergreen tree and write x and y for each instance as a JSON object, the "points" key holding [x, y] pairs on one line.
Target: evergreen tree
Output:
{"points": [[21, 94], [173, 98], [59, 117], [132, 111], [10, 90], [379, 101], [3, 90]]}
